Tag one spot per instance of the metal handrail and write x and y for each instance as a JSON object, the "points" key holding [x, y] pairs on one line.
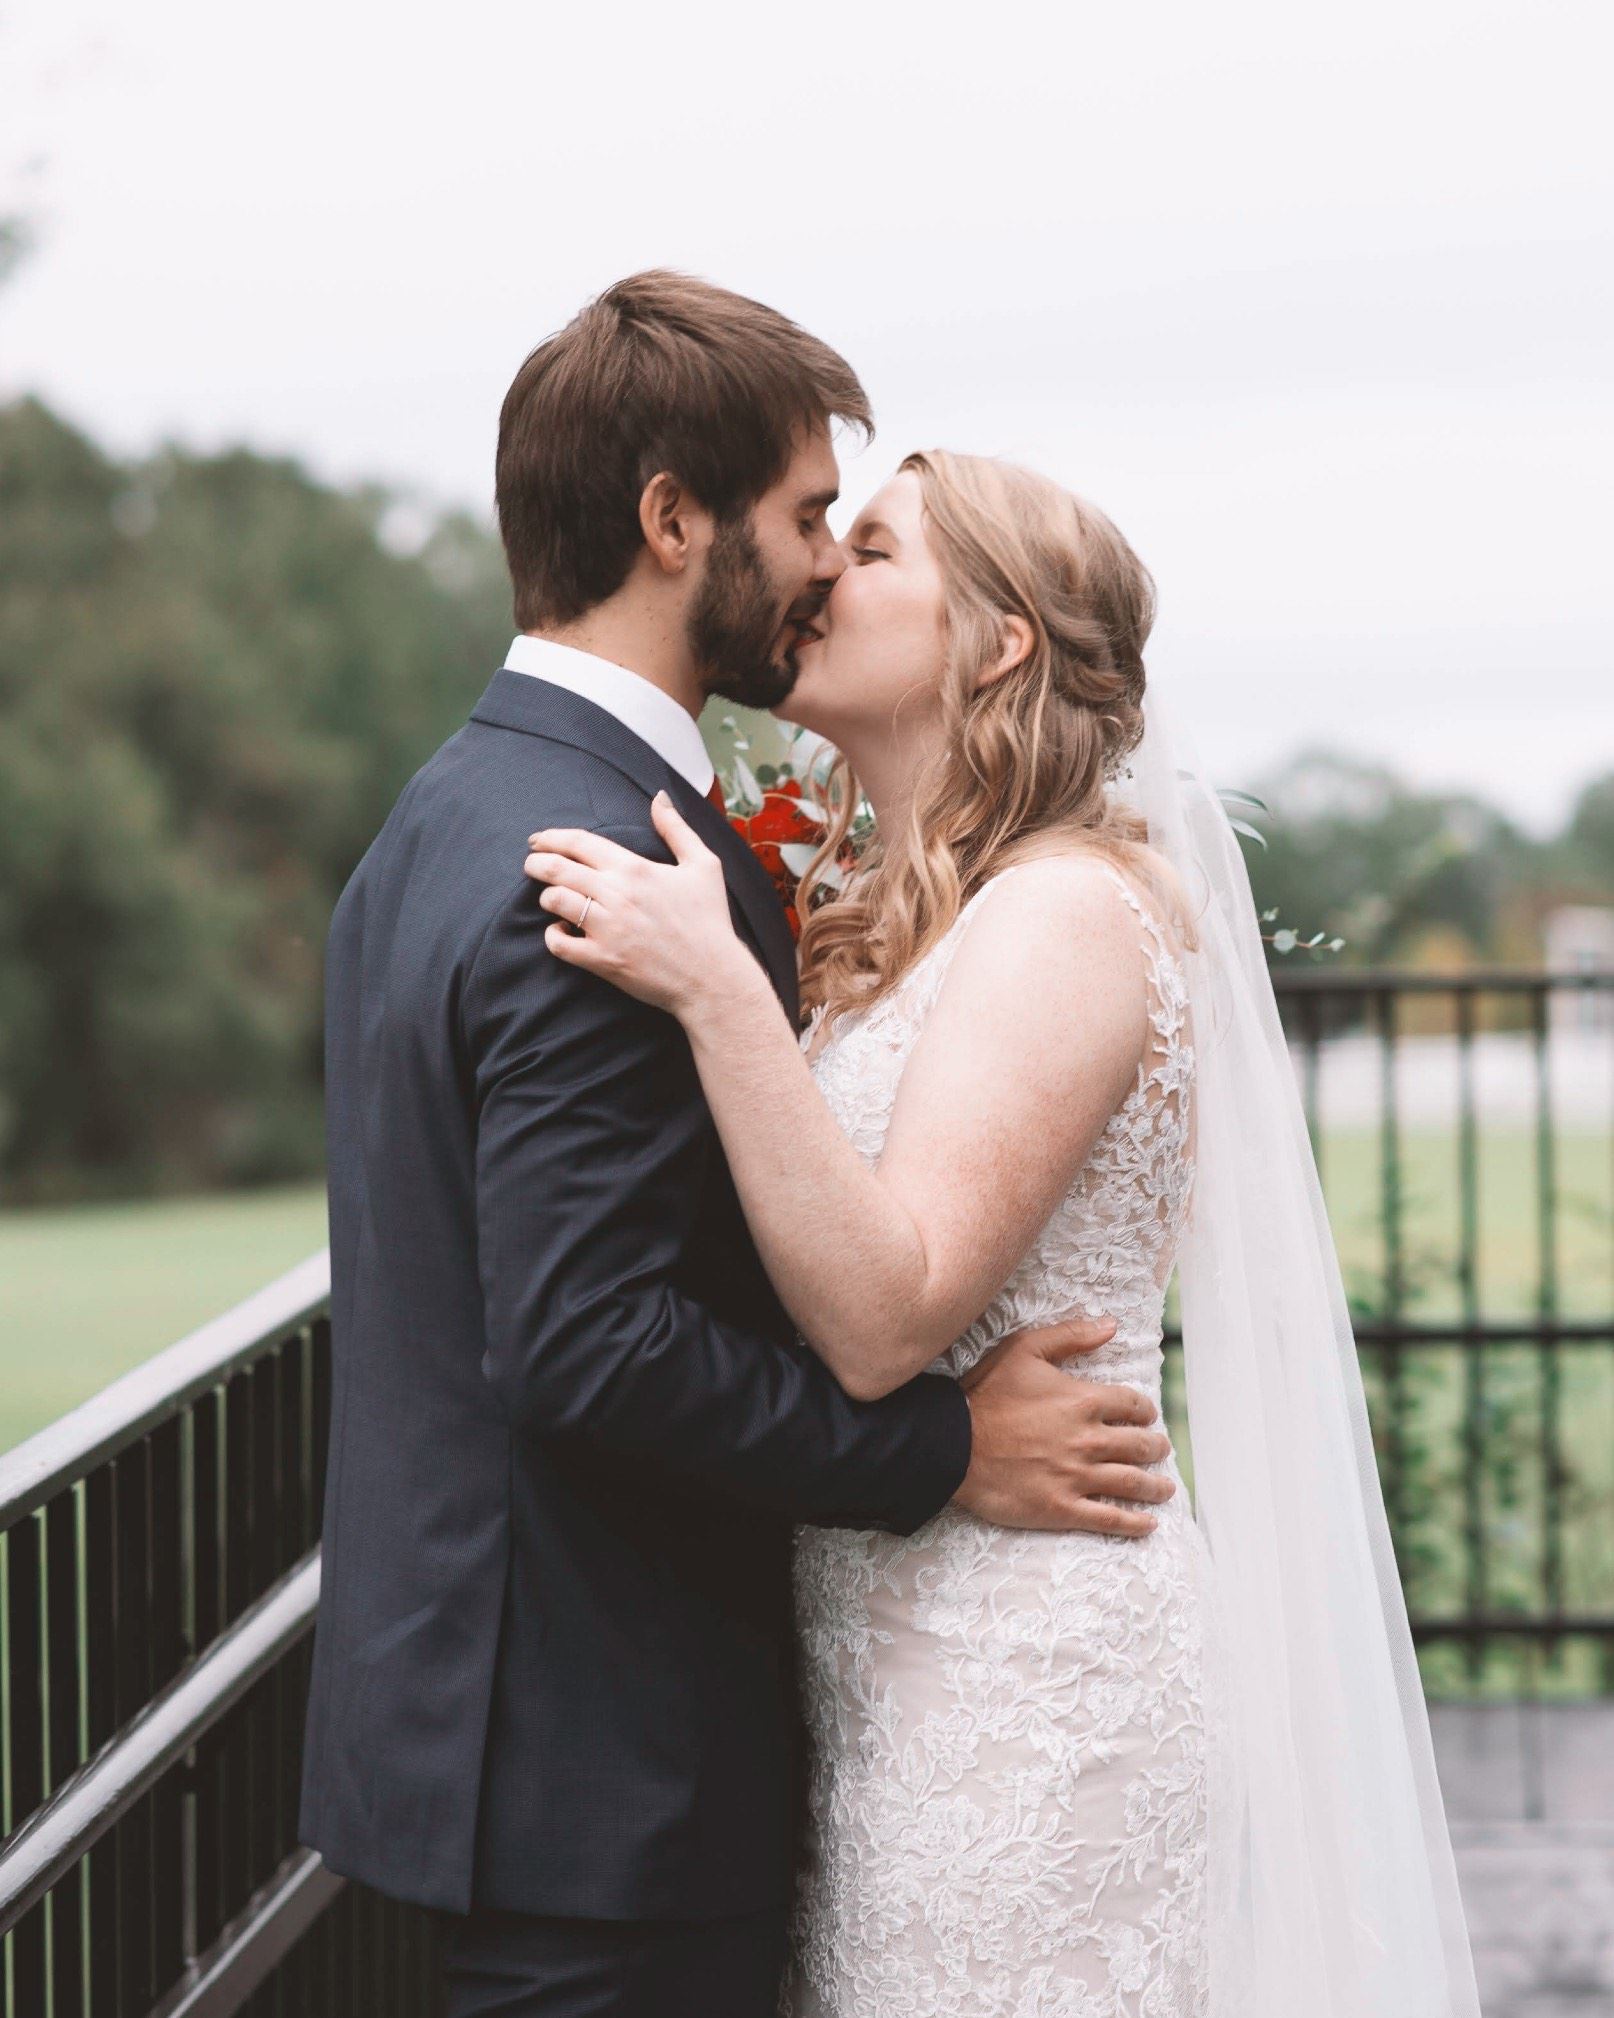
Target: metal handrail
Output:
{"points": [[106, 1787], [159, 1388], [218, 1984], [1413, 1333], [1330, 980]]}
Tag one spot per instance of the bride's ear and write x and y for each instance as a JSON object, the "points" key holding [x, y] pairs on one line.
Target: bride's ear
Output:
{"points": [[1016, 648]]}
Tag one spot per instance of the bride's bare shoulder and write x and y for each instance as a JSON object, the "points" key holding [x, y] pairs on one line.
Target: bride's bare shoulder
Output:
{"points": [[1143, 885], [1054, 951], [1061, 902]]}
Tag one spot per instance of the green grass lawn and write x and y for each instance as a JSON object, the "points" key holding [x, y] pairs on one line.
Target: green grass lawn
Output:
{"points": [[1579, 1247], [87, 1293]]}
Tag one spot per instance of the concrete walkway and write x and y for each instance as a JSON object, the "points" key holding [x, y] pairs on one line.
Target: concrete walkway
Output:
{"points": [[1529, 1791]]}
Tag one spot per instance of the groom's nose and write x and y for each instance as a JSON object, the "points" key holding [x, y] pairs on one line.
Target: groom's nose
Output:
{"points": [[829, 565]]}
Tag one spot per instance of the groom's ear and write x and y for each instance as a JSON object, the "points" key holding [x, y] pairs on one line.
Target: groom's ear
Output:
{"points": [[669, 520]]}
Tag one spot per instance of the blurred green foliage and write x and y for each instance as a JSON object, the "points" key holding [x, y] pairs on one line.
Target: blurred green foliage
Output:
{"points": [[1420, 878], [215, 675]]}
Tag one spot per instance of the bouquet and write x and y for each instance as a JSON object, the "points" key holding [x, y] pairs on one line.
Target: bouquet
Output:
{"points": [[776, 811]]}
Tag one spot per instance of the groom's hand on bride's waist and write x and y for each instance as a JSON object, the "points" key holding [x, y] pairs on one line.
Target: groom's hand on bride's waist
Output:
{"points": [[1051, 1452]]}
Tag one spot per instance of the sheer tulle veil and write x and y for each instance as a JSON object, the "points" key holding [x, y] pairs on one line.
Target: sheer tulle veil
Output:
{"points": [[1333, 1889]]}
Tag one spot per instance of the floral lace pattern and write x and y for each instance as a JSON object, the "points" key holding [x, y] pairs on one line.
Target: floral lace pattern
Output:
{"points": [[1007, 1805]]}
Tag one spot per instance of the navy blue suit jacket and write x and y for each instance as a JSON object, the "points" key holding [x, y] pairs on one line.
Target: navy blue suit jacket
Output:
{"points": [[571, 1426]]}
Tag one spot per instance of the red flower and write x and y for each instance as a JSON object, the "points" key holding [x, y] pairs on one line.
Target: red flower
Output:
{"points": [[779, 821]]}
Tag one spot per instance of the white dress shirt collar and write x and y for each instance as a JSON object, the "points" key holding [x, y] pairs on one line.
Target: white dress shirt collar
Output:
{"points": [[654, 717]]}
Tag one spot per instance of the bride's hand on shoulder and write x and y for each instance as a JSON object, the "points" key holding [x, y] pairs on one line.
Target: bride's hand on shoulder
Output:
{"points": [[659, 931]]}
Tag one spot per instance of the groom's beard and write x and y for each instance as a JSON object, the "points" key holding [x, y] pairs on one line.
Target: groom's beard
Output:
{"points": [[735, 622]]}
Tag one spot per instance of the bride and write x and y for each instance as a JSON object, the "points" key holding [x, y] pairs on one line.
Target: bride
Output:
{"points": [[1182, 1773]]}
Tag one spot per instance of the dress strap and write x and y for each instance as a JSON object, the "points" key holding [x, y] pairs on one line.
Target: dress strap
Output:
{"points": [[932, 970], [1134, 902]]}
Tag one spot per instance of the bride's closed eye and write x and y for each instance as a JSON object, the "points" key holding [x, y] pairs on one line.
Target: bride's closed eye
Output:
{"points": [[870, 554]]}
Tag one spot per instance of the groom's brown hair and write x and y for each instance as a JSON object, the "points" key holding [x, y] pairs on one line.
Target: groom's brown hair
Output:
{"points": [[661, 372]]}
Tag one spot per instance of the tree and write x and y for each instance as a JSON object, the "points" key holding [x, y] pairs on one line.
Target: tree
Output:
{"points": [[1354, 850], [1588, 849], [215, 675]]}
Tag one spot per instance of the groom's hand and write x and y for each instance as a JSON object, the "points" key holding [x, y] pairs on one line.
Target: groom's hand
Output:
{"points": [[1043, 1445]]}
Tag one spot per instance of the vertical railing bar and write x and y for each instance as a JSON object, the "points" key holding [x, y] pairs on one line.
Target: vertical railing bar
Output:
{"points": [[307, 1529], [188, 1777], [25, 1719], [61, 1632], [1394, 1285], [7, 2004], [288, 1454], [1310, 1049], [362, 1975], [1606, 1020], [26, 1731], [63, 1673], [207, 1606], [384, 1929], [166, 1626], [1468, 1292], [1550, 1366], [168, 1653], [6, 1711], [133, 1834], [322, 1971], [100, 1635], [235, 1764], [321, 1415], [289, 1696], [265, 1428]]}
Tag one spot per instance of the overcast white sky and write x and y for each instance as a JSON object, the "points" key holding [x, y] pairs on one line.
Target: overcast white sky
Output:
{"points": [[1314, 300]]}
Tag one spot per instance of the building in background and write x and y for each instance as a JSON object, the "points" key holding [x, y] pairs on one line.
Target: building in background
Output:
{"points": [[1579, 939]]}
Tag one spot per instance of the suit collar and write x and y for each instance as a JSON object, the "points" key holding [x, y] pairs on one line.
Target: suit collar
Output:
{"points": [[639, 704], [539, 708]]}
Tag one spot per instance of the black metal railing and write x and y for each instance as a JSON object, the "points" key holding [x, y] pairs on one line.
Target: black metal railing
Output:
{"points": [[158, 1547], [1464, 1129], [160, 1564], [1464, 1126]]}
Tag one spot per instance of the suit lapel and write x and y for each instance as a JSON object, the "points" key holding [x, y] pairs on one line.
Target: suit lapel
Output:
{"points": [[536, 707]]}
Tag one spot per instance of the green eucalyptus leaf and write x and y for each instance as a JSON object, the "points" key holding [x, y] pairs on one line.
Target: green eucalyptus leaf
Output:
{"points": [[750, 790]]}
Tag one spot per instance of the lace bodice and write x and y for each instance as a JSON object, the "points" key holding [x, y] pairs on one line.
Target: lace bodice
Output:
{"points": [[1007, 1787], [1109, 1244]]}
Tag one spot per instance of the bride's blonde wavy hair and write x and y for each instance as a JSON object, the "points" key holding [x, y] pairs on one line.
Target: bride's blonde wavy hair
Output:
{"points": [[1024, 760]]}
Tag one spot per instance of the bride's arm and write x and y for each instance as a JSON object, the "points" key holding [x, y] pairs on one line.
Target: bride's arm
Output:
{"points": [[1034, 1041]]}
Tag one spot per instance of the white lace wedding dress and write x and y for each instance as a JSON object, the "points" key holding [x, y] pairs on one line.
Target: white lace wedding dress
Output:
{"points": [[1007, 1807]]}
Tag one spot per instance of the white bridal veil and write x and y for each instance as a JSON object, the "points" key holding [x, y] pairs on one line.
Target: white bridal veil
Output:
{"points": [[1333, 1888]]}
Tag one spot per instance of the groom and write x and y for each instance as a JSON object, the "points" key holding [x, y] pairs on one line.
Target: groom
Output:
{"points": [[572, 1428]]}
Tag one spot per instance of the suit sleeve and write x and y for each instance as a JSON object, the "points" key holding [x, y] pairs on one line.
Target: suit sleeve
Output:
{"points": [[592, 1138]]}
